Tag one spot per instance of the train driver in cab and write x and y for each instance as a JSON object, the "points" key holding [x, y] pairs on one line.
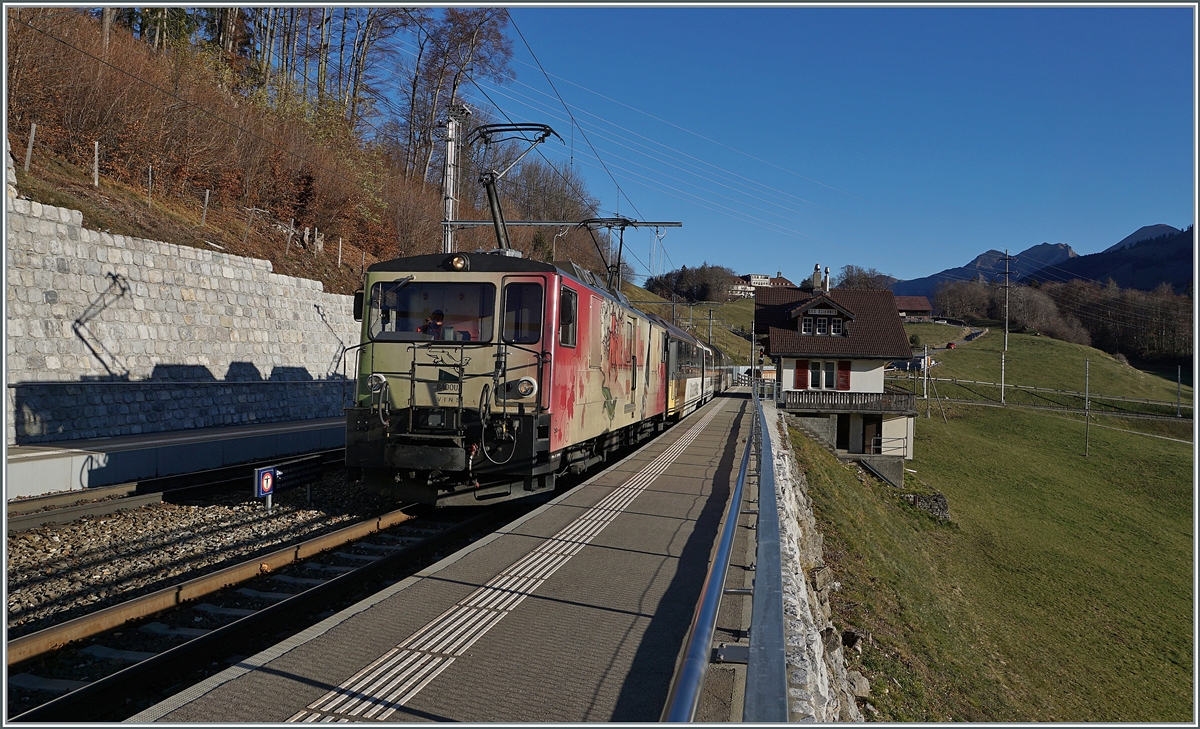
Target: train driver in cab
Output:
{"points": [[433, 325]]}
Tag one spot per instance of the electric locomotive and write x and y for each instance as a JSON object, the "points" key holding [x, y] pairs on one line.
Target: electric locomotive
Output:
{"points": [[482, 376]]}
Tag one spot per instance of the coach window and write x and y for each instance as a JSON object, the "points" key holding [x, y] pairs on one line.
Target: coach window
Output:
{"points": [[806, 325], [522, 313], [568, 317]]}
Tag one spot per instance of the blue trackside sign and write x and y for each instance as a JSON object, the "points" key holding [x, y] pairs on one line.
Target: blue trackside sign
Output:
{"points": [[264, 481]]}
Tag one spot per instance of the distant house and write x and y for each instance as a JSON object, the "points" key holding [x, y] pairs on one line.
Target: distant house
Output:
{"points": [[759, 280], [830, 347], [914, 308], [741, 291], [779, 280]]}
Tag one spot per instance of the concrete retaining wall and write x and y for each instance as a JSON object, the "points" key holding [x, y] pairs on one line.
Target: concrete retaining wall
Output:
{"points": [[111, 335]]}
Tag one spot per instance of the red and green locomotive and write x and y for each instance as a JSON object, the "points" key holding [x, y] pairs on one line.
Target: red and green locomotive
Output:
{"points": [[482, 376]]}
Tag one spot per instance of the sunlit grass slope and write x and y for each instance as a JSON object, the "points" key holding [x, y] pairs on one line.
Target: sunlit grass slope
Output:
{"points": [[1062, 591], [736, 314]]}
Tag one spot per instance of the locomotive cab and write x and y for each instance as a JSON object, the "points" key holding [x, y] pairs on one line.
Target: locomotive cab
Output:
{"points": [[451, 379]]}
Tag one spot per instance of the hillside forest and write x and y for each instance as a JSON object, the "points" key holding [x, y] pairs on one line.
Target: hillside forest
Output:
{"points": [[326, 118]]}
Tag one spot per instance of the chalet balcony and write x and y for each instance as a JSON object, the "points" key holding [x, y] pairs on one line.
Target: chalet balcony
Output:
{"points": [[829, 401]]}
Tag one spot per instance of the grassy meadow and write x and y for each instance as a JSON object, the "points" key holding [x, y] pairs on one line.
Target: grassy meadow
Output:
{"points": [[1061, 590], [1039, 361], [737, 313]]}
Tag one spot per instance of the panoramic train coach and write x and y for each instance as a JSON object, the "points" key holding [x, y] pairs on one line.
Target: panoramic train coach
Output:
{"points": [[482, 376]]}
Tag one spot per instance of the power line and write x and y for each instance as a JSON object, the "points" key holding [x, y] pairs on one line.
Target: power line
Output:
{"points": [[568, 109]]}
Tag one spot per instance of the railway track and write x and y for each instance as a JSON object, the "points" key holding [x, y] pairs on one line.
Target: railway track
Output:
{"points": [[65, 507], [111, 663], [108, 665]]}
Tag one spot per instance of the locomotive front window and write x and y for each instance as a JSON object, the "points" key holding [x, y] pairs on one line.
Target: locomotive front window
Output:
{"points": [[522, 313], [408, 311]]}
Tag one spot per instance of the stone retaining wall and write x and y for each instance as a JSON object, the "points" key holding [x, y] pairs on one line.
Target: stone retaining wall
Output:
{"points": [[818, 685], [112, 335]]}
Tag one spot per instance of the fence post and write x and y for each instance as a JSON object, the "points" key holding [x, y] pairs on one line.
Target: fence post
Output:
{"points": [[291, 232], [339, 251], [362, 268], [149, 185], [29, 147], [204, 215], [1087, 406], [96, 165]]}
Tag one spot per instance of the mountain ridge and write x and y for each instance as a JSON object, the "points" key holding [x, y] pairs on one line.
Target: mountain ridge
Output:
{"points": [[989, 265]]}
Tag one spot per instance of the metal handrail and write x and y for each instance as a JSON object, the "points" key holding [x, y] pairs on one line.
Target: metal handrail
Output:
{"points": [[766, 682], [766, 670]]}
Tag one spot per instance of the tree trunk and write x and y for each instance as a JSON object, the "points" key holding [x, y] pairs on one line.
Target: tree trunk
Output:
{"points": [[106, 18], [323, 53]]}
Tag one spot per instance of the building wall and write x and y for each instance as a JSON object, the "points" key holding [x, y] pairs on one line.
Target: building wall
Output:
{"points": [[897, 437], [111, 335], [865, 375]]}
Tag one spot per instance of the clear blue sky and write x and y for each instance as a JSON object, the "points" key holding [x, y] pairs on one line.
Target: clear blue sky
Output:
{"points": [[904, 139]]}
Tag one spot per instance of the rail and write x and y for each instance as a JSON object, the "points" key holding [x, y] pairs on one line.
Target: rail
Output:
{"points": [[857, 402], [881, 446], [766, 678]]}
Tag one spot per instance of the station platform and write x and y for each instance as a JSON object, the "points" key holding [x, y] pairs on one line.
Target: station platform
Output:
{"points": [[33, 470], [576, 612]]}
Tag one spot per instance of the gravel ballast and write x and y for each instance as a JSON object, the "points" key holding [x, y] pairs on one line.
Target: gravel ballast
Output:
{"points": [[62, 571]]}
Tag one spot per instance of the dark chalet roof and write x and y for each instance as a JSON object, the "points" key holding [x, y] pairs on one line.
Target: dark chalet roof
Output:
{"points": [[875, 332], [913, 303]]}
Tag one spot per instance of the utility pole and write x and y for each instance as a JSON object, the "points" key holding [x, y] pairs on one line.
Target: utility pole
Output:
{"points": [[925, 379], [1178, 389], [459, 114], [1087, 406], [710, 326], [1007, 258], [1002, 378], [753, 343]]}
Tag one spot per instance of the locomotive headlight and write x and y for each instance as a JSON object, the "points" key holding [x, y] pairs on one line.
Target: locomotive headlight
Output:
{"points": [[458, 262], [526, 387], [376, 382]]}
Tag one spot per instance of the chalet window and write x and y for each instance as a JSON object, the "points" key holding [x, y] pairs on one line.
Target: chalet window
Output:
{"points": [[822, 325], [822, 375], [806, 325], [835, 327]]}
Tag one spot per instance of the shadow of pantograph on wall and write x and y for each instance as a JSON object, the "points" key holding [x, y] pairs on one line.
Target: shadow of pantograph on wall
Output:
{"points": [[118, 287]]}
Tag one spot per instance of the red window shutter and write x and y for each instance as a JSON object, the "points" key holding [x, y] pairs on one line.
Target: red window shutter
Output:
{"points": [[801, 379], [843, 377]]}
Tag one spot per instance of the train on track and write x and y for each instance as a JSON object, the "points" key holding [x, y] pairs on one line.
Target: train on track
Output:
{"points": [[482, 376]]}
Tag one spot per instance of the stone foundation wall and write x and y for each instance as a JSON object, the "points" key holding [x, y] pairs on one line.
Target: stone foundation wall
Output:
{"points": [[112, 335], [822, 427], [819, 687]]}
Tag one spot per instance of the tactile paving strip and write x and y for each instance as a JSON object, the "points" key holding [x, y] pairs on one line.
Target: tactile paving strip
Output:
{"points": [[378, 690]]}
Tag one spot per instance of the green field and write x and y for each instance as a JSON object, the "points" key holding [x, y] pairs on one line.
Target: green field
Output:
{"points": [[1037, 361], [733, 314], [935, 335], [1062, 588]]}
